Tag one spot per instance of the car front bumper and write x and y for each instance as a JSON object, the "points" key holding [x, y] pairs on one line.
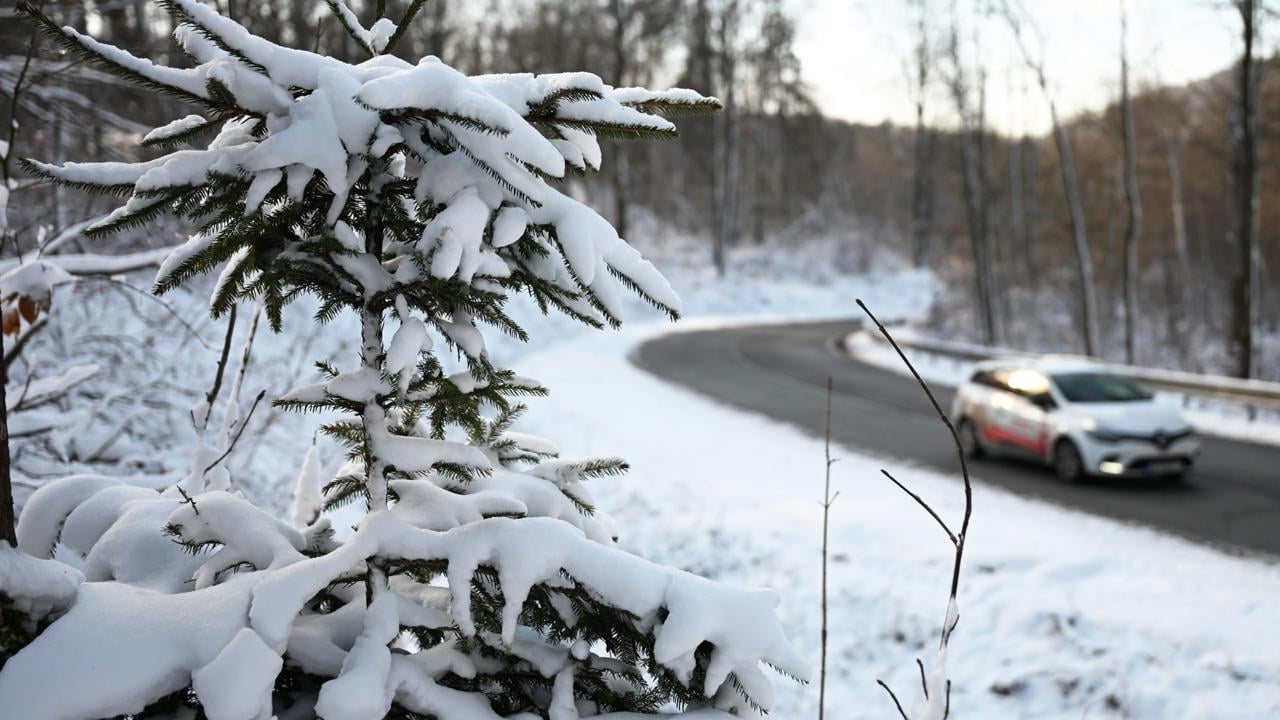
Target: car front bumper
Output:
{"points": [[1138, 459]]}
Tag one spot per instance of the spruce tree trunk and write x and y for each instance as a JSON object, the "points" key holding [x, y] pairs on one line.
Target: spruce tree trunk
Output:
{"points": [[1244, 174], [1132, 198], [374, 418]]}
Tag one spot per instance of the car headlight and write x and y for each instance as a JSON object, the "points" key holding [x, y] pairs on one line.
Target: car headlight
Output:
{"points": [[1102, 434]]}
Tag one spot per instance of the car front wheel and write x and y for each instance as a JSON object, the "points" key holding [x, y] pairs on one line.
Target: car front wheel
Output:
{"points": [[970, 445], [1066, 462]]}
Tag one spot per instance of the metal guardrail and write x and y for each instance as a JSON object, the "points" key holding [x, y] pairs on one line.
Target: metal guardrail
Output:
{"points": [[1250, 393]]}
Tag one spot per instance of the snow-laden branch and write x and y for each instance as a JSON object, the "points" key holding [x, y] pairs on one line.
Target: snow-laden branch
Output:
{"points": [[419, 200], [96, 264]]}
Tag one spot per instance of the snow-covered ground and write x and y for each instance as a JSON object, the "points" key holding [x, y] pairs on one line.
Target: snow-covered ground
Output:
{"points": [[1063, 615], [1210, 417]]}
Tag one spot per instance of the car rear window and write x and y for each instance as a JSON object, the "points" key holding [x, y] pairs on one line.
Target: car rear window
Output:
{"points": [[1094, 387]]}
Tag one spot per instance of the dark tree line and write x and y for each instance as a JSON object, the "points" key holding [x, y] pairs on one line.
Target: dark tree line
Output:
{"points": [[1145, 231]]}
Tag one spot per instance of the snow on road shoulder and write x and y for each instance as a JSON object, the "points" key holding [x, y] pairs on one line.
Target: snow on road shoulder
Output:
{"points": [[1063, 615]]}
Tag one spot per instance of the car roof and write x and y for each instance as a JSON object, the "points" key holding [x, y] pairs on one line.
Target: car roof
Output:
{"points": [[1044, 363]]}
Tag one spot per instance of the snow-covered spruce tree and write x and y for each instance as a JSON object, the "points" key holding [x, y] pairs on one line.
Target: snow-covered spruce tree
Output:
{"points": [[481, 583]]}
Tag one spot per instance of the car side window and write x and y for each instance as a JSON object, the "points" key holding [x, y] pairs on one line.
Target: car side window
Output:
{"points": [[1026, 383], [987, 378]]}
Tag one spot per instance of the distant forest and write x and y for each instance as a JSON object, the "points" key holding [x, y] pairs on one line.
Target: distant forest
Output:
{"points": [[989, 213]]}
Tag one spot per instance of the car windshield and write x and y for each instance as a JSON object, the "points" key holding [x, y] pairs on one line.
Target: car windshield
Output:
{"points": [[1094, 387]]}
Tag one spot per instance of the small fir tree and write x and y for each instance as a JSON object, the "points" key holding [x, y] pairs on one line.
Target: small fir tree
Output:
{"points": [[482, 582]]}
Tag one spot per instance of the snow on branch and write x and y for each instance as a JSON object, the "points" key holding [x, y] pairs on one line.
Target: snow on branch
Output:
{"points": [[482, 576]]}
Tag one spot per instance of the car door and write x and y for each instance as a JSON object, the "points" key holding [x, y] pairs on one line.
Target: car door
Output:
{"points": [[1020, 412], [976, 401], [993, 413]]}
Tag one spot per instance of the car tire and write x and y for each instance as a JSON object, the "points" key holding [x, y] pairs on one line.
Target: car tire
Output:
{"points": [[1067, 463], [970, 444]]}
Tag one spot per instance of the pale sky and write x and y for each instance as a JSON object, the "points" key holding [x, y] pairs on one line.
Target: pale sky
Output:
{"points": [[855, 52]]}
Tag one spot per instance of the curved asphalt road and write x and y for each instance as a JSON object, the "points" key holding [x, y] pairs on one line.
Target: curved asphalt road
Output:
{"points": [[1231, 498]]}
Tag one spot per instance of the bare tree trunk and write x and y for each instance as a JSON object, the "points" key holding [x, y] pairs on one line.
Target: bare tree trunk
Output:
{"points": [[994, 293], [141, 30], [1071, 188], [973, 172], [1244, 167], [922, 199], [1132, 197], [719, 219], [1017, 216], [1015, 252], [1079, 234], [1182, 304], [705, 68], [62, 143], [1031, 206], [621, 168], [724, 212]]}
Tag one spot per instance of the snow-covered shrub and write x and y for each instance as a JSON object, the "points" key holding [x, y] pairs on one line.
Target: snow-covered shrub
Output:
{"points": [[481, 582]]}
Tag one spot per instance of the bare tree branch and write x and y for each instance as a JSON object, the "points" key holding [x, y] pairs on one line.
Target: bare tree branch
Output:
{"points": [[151, 297], [923, 504], [955, 438], [222, 368], [949, 623], [236, 439], [895, 699]]}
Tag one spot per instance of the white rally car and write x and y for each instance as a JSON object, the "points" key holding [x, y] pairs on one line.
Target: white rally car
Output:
{"points": [[1074, 415]]}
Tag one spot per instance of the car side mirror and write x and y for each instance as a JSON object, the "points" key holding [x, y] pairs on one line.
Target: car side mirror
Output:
{"points": [[1045, 402]]}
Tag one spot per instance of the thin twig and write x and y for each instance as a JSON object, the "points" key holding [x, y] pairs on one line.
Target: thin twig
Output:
{"points": [[919, 500], [319, 34], [11, 355], [239, 432], [222, 367], [233, 396], [895, 699], [924, 683], [149, 296], [955, 438], [187, 499], [827, 499]]}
